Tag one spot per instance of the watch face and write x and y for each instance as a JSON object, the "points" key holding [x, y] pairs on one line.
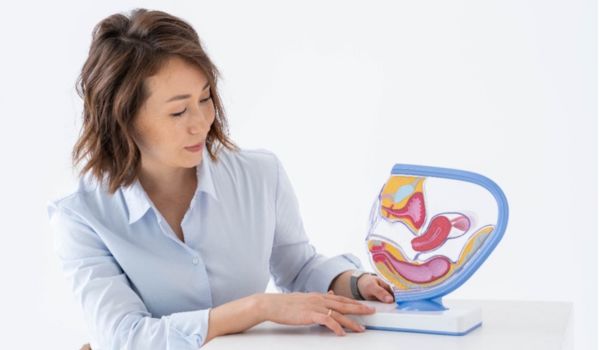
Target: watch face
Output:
{"points": [[431, 228]]}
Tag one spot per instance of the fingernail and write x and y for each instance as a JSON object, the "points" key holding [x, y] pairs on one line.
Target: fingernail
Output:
{"points": [[362, 327], [389, 299]]}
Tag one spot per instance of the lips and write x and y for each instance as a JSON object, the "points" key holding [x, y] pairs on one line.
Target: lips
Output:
{"points": [[195, 147]]}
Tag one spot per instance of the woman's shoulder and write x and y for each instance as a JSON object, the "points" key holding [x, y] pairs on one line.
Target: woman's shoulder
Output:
{"points": [[246, 160], [256, 156], [89, 197], [253, 167]]}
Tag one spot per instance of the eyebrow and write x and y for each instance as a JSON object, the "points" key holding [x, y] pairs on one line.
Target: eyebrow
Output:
{"points": [[183, 97]]}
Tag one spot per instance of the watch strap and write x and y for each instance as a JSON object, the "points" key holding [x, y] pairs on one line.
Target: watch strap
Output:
{"points": [[354, 283]]}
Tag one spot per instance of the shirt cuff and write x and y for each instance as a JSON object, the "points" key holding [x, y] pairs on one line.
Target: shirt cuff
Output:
{"points": [[324, 274], [192, 325]]}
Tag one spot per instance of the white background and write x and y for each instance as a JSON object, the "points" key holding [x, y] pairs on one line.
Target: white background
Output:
{"points": [[340, 91]]}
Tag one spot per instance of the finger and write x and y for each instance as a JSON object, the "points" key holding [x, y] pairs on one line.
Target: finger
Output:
{"points": [[342, 299], [381, 294], [329, 322], [346, 308], [346, 322], [385, 285]]}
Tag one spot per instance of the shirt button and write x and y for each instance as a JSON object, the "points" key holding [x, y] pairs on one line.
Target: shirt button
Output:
{"points": [[195, 261]]}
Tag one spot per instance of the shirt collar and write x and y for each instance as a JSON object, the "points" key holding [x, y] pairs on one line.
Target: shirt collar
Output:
{"points": [[204, 175], [137, 200]]}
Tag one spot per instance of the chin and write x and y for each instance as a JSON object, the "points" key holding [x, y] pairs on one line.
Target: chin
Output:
{"points": [[192, 162]]}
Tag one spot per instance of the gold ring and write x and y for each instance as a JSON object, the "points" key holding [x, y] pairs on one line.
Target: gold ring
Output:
{"points": [[329, 313]]}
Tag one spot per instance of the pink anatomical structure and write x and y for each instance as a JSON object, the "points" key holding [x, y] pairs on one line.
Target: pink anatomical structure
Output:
{"points": [[402, 201]]}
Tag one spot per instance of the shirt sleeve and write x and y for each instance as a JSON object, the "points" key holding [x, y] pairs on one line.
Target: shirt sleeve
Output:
{"points": [[295, 265], [115, 315]]}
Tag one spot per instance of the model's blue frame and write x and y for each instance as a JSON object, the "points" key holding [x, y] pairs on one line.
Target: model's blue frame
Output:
{"points": [[431, 299], [412, 330]]}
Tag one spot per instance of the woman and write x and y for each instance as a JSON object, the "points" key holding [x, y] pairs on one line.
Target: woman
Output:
{"points": [[173, 231]]}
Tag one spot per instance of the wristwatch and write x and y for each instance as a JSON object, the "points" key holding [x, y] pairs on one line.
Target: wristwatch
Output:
{"points": [[354, 283]]}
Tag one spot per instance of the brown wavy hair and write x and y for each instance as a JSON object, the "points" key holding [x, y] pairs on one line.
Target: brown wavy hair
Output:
{"points": [[125, 50]]}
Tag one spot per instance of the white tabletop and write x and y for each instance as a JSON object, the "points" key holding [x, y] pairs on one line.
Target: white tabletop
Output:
{"points": [[512, 325]]}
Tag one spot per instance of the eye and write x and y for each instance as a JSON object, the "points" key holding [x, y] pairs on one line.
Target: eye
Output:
{"points": [[206, 99], [201, 101], [179, 114]]}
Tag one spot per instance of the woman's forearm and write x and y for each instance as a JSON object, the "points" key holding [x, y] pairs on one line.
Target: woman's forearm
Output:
{"points": [[235, 316], [341, 284], [242, 314]]}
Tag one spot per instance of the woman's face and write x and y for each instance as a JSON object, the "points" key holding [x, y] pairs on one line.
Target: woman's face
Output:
{"points": [[177, 115]]}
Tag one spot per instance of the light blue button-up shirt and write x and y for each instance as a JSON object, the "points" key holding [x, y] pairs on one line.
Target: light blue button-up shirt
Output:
{"points": [[140, 287]]}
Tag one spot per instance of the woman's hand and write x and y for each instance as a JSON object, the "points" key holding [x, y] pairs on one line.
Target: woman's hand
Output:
{"points": [[313, 308], [374, 288]]}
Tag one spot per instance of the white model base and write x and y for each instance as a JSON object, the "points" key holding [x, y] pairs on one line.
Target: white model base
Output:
{"points": [[457, 320]]}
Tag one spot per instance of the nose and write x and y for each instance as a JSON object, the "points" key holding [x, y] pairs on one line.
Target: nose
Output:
{"points": [[200, 120]]}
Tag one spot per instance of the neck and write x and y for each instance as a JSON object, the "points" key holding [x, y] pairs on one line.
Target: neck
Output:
{"points": [[167, 181]]}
